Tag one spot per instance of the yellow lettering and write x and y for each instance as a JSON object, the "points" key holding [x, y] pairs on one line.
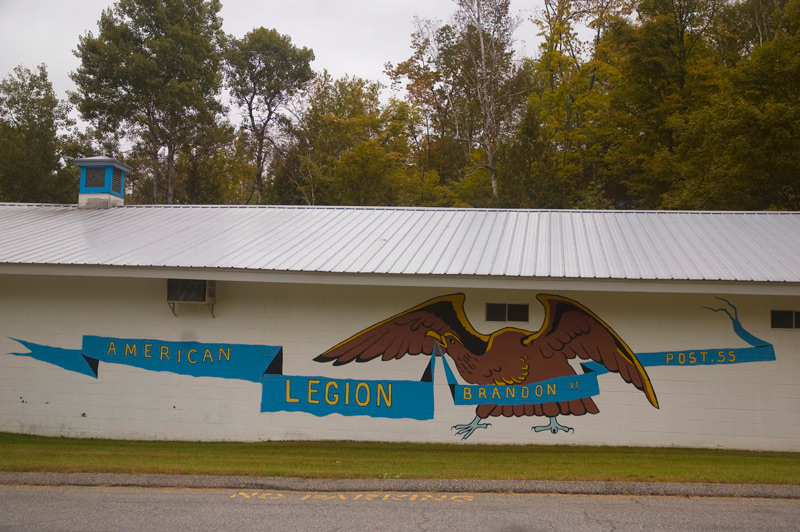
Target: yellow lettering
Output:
{"points": [[510, 391], [692, 358], [347, 393], [387, 399], [481, 393], [189, 356], [112, 347], [704, 353], [331, 399], [681, 358], [721, 356], [130, 349], [179, 356], [551, 389], [362, 386], [731, 356], [495, 393], [670, 356], [289, 398], [467, 393], [165, 353], [312, 391], [525, 392], [208, 355], [147, 348], [224, 353], [538, 390]]}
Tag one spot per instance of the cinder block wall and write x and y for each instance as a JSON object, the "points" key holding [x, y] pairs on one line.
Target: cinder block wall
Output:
{"points": [[747, 406]]}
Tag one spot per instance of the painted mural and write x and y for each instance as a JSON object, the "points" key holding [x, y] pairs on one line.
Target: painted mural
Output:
{"points": [[510, 372], [514, 372]]}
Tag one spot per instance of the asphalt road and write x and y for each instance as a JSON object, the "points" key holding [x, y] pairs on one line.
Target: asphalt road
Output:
{"points": [[87, 509]]}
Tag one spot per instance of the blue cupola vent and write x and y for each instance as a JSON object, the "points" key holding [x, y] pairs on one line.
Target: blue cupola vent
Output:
{"points": [[102, 182]]}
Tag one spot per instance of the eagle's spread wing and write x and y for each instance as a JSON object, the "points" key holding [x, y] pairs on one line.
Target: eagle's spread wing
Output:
{"points": [[408, 332], [573, 330]]}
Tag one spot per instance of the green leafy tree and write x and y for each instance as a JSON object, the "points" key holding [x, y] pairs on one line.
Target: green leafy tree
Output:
{"points": [[664, 70], [264, 71], [429, 77], [151, 75], [410, 181], [486, 30], [349, 148], [466, 81], [530, 173], [555, 158], [743, 25], [553, 125], [210, 171], [745, 144], [34, 140], [336, 116], [361, 175]]}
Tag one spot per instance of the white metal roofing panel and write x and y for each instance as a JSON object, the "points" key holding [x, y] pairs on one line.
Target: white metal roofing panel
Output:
{"points": [[606, 245], [663, 245], [409, 244], [485, 246], [595, 250], [570, 230], [644, 254], [539, 265], [504, 259], [446, 224], [466, 244], [530, 245], [375, 237], [672, 257], [583, 250], [426, 244], [402, 223]]}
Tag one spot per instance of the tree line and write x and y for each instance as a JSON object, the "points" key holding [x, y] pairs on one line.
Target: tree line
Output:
{"points": [[652, 104]]}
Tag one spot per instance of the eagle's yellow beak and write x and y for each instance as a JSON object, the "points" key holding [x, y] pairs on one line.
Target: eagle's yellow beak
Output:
{"points": [[439, 339]]}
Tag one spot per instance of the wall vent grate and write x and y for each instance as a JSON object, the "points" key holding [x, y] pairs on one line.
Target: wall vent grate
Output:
{"points": [[116, 181]]}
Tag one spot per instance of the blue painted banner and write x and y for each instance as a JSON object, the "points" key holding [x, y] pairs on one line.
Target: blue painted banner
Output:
{"points": [[69, 359], [547, 391], [761, 351], [226, 361], [696, 357], [322, 396]]}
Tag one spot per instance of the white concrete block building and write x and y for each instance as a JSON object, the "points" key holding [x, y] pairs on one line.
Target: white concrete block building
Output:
{"points": [[272, 323]]}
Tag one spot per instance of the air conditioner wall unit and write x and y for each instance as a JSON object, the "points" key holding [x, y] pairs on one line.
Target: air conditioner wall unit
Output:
{"points": [[191, 291]]}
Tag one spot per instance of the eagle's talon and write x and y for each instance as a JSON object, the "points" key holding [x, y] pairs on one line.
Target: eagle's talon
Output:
{"points": [[470, 427], [554, 426]]}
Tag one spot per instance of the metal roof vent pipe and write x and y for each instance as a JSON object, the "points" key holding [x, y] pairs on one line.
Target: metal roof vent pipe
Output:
{"points": [[102, 182]]}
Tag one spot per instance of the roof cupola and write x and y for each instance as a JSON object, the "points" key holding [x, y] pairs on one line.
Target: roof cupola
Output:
{"points": [[102, 182]]}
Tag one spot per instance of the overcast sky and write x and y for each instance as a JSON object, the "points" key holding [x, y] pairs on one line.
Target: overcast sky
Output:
{"points": [[355, 37]]}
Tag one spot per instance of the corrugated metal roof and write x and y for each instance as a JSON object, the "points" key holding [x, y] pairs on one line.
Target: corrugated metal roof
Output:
{"points": [[661, 245]]}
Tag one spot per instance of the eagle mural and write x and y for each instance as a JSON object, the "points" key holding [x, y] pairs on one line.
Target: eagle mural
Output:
{"points": [[508, 356]]}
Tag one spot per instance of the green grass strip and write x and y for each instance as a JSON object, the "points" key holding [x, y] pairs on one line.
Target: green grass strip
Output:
{"points": [[346, 459]]}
